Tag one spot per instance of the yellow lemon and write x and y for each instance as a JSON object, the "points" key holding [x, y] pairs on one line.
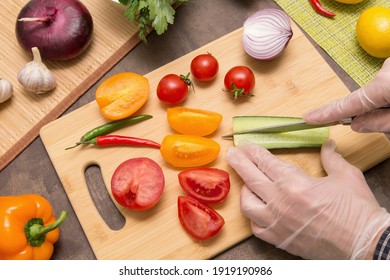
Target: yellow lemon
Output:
{"points": [[349, 1], [373, 31]]}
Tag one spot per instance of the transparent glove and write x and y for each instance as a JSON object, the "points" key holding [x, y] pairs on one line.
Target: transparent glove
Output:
{"points": [[332, 217], [363, 103]]}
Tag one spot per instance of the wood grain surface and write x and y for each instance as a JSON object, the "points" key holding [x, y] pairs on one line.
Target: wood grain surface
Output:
{"points": [[25, 113], [196, 24], [288, 86]]}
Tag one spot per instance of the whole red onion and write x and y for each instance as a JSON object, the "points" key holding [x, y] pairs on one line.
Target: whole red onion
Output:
{"points": [[60, 29]]}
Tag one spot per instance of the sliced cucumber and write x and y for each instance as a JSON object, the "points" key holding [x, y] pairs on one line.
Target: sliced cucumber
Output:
{"points": [[313, 137]]}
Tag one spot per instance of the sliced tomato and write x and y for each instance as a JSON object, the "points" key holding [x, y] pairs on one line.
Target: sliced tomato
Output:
{"points": [[206, 184], [138, 183], [199, 220], [193, 121], [188, 151]]}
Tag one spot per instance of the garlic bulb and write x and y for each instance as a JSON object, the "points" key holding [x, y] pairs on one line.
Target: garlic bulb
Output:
{"points": [[6, 90], [35, 76]]}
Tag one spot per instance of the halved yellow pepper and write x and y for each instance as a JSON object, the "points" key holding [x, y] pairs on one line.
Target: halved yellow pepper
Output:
{"points": [[121, 95], [193, 121]]}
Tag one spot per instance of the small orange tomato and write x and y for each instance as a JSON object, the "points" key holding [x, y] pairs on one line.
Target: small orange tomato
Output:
{"points": [[122, 95], [193, 121], [188, 150]]}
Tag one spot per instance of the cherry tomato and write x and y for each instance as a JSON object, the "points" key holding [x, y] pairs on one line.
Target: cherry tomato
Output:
{"points": [[207, 185], [193, 121], [173, 89], [204, 67], [199, 220], [138, 183], [188, 150], [240, 81]]}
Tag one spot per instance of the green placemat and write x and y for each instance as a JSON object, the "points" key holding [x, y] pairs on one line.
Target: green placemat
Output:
{"points": [[337, 36]]}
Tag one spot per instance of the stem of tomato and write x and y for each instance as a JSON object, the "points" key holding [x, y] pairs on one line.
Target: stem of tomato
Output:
{"points": [[188, 81], [237, 92]]}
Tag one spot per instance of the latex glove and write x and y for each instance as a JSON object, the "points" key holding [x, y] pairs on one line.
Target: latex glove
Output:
{"points": [[332, 217], [361, 103]]}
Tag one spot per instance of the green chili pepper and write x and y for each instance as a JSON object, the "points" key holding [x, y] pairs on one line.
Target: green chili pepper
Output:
{"points": [[109, 127]]}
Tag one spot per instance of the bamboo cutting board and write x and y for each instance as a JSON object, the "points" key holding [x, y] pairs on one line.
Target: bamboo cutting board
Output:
{"points": [[24, 114], [298, 80]]}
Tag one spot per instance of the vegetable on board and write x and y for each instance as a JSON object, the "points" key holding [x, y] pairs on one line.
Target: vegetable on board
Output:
{"points": [[110, 127], [206, 184], [28, 228], [240, 81], [119, 140], [204, 67], [193, 121], [121, 95], [199, 220], [182, 150], [313, 137], [138, 183], [173, 89]]}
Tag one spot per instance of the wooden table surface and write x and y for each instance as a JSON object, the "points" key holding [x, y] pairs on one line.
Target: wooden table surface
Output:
{"points": [[196, 24]]}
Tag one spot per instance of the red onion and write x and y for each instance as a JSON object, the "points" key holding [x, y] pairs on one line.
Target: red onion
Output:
{"points": [[60, 29], [266, 34]]}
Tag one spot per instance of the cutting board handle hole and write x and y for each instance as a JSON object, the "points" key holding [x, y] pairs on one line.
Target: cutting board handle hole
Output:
{"points": [[102, 199]]}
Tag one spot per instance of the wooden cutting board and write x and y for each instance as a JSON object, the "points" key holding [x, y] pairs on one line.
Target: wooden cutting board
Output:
{"points": [[298, 80], [23, 115]]}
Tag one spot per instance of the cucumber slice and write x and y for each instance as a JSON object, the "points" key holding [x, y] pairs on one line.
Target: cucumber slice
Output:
{"points": [[307, 138]]}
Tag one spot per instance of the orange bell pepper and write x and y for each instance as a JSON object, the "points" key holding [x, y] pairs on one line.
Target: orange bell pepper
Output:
{"points": [[28, 228], [122, 95]]}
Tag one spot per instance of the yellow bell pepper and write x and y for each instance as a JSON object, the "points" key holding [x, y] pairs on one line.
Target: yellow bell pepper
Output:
{"points": [[28, 228]]}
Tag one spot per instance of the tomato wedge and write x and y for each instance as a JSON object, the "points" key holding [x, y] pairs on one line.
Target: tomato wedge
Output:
{"points": [[199, 220], [138, 183], [207, 185], [193, 121], [122, 95], [188, 150]]}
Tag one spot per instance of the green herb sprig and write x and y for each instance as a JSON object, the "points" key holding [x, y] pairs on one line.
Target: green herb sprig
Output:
{"points": [[151, 14]]}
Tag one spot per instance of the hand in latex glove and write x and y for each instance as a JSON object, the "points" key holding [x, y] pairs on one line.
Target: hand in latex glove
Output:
{"points": [[361, 103], [333, 217]]}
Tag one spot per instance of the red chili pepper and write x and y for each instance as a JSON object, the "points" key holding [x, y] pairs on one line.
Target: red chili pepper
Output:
{"points": [[321, 10], [116, 140]]}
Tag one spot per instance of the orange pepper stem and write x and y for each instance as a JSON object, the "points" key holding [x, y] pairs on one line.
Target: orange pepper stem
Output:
{"points": [[36, 232]]}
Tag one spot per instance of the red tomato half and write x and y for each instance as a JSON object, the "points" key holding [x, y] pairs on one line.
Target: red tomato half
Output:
{"points": [[204, 67], [206, 184], [199, 220], [240, 81], [173, 89], [138, 183]]}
